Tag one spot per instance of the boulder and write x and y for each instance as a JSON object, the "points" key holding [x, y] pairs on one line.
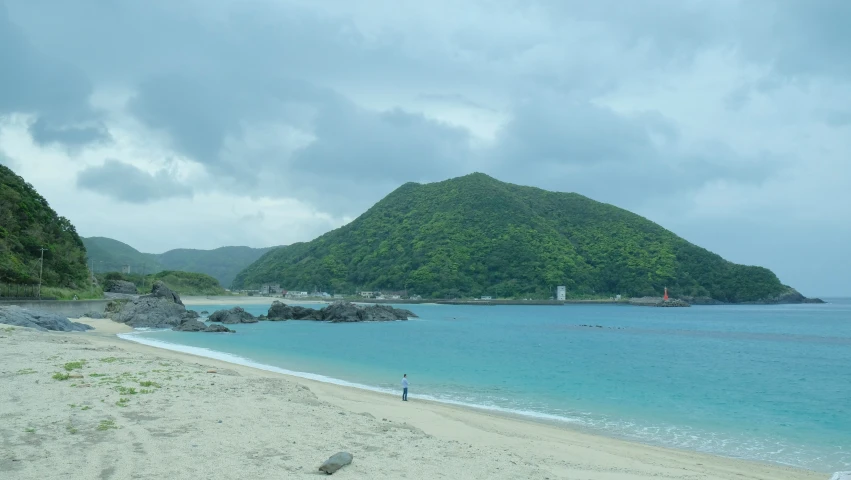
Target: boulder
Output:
{"points": [[192, 325], [24, 317], [94, 315], [336, 462], [279, 311], [119, 286], [161, 309], [218, 328], [232, 316], [160, 290]]}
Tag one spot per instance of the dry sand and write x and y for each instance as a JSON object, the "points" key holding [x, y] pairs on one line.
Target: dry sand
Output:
{"points": [[240, 422]]}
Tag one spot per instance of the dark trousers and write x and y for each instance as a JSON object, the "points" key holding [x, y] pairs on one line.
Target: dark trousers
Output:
{"points": [[405, 394]]}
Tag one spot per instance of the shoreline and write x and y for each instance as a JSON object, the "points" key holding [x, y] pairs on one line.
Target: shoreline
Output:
{"points": [[504, 424]]}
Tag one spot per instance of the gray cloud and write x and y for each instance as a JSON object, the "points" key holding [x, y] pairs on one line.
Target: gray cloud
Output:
{"points": [[127, 183], [33, 83], [70, 135], [318, 101]]}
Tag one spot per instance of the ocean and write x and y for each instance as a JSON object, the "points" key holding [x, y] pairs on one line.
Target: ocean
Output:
{"points": [[767, 383]]}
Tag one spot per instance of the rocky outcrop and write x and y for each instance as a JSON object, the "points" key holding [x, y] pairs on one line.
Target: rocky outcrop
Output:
{"points": [[192, 325], [94, 315], [703, 301], [161, 291], [339, 312], [232, 316], [658, 302], [218, 328], [790, 296], [24, 317], [161, 309], [119, 286], [336, 462]]}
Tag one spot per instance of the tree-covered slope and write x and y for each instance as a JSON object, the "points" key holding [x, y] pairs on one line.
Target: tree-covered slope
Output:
{"points": [[221, 263], [474, 235], [111, 255], [28, 224]]}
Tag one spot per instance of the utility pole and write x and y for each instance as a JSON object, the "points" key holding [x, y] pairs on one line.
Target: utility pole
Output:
{"points": [[40, 272]]}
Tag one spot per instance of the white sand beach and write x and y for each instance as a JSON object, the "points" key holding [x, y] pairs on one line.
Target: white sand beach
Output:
{"points": [[134, 411]]}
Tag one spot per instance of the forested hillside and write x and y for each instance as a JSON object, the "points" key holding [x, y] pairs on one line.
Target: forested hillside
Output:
{"points": [[28, 224], [474, 235]]}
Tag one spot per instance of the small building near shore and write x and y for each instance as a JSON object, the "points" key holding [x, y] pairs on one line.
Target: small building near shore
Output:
{"points": [[561, 293]]}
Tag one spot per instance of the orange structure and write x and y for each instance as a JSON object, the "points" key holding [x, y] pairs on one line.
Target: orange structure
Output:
{"points": [[665, 298]]}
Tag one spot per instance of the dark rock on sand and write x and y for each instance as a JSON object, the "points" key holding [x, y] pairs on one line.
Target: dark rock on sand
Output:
{"points": [[336, 462], [95, 315], [119, 286], [161, 309], [24, 317], [160, 290], [232, 316]]}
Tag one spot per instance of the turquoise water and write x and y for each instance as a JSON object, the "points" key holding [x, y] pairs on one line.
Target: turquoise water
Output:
{"points": [[769, 383]]}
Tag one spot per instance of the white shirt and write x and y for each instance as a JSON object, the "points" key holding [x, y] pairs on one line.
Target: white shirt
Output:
{"points": [[404, 383]]}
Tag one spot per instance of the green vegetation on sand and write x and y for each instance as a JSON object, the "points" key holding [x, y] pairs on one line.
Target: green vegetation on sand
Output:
{"points": [[474, 235]]}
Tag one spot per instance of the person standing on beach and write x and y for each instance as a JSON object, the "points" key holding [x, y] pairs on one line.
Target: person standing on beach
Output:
{"points": [[405, 387]]}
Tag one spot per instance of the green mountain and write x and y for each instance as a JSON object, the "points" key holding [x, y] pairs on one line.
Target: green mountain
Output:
{"points": [[474, 235], [28, 224], [222, 263], [110, 255]]}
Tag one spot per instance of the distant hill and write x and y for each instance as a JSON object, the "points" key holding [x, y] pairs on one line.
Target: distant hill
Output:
{"points": [[222, 263], [475, 235], [28, 224], [110, 255]]}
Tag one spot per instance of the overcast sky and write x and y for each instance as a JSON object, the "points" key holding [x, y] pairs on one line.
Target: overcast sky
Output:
{"points": [[202, 123]]}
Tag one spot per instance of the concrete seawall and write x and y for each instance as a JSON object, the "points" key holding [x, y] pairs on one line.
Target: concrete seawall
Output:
{"points": [[66, 308]]}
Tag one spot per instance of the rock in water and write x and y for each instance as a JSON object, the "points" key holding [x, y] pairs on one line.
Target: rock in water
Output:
{"points": [[234, 315], [841, 476], [24, 317], [336, 462], [279, 311], [192, 325], [339, 312], [119, 286], [218, 328]]}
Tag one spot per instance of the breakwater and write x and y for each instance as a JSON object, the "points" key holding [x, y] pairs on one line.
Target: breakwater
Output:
{"points": [[67, 308]]}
